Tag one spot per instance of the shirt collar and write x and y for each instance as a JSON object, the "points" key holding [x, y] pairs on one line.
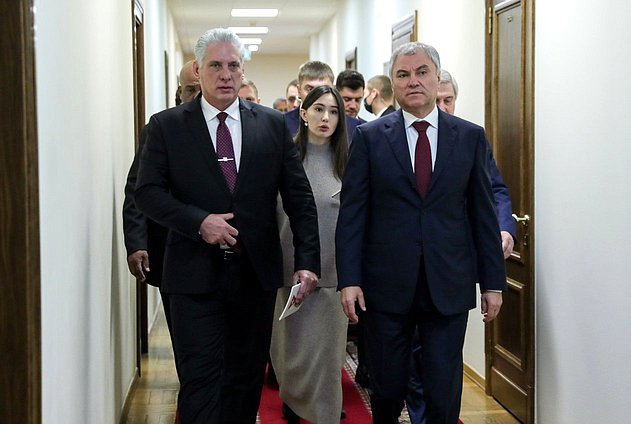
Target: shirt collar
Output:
{"points": [[432, 118], [210, 111]]}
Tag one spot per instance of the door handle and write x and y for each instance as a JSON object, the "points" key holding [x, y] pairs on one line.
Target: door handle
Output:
{"points": [[523, 219]]}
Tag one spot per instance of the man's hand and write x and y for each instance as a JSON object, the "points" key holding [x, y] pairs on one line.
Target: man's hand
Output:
{"points": [[138, 263], [215, 229], [308, 282], [349, 296], [491, 304], [507, 243]]}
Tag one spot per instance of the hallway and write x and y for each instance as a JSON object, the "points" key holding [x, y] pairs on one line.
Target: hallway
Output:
{"points": [[155, 397]]}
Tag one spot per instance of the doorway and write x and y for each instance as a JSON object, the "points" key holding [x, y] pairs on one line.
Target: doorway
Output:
{"points": [[509, 117]]}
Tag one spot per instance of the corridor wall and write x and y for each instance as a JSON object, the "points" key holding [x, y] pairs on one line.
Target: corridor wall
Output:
{"points": [[85, 132]]}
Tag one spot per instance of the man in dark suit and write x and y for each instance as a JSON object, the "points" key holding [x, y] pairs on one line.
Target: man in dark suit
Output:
{"points": [[311, 75], [350, 84], [416, 230], [211, 172], [144, 238], [446, 101]]}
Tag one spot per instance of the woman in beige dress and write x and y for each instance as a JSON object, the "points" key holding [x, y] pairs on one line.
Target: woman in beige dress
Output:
{"points": [[308, 347]]}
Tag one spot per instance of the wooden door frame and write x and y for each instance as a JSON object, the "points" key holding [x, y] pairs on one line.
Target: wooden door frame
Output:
{"points": [[527, 115], [20, 309], [138, 48]]}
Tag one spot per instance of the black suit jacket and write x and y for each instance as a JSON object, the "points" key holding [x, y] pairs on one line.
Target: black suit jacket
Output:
{"points": [[180, 183], [142, 233], [385, 227], [390, 109]]}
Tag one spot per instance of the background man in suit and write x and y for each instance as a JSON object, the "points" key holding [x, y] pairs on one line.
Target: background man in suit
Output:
{"points": [[249, 92], [416, 230], [350, 84], [446, 101], [211, 172], [292, 95], [378, 96], [144, 238], [311, 75]]}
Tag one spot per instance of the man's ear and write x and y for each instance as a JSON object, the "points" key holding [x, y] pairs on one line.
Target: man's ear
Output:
{"points": [[196, 69]]}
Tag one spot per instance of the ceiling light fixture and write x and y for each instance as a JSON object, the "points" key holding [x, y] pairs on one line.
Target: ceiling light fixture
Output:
{"points": [[253, 48], [249, 30], [247, 40], [254, 13]]}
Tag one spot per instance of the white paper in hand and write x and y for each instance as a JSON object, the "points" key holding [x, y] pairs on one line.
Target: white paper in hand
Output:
{"points": [[291, 306]]}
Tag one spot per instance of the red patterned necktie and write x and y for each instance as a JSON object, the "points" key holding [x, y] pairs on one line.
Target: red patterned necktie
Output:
{"points": [[225, 152], [422, 158]]}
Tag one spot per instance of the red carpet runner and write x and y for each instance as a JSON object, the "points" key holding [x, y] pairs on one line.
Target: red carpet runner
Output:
{"points": [[356, 411]]}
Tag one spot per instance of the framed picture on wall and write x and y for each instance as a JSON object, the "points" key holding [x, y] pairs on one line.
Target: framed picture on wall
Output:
{"points": [[351, 59], [405, 30]]}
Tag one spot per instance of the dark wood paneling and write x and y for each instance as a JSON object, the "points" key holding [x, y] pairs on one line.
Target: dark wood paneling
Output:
{"points": [[20, 330]]}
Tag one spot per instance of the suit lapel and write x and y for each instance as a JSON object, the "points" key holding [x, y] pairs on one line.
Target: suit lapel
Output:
{"points": [[398, 140], [198, 128], [447, 134]]}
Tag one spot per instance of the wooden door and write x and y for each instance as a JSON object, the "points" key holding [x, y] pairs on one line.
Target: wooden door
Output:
{"points": [[509, 117]]}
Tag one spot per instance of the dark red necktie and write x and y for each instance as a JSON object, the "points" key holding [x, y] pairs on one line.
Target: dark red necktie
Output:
{"points": [[422, 158], [225, 152]]}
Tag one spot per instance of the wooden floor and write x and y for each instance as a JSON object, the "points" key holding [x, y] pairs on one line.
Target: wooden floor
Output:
{"points": [[155, 395]]}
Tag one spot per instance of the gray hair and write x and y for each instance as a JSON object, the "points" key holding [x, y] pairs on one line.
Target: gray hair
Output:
{"points": [[218, 35], [446, 78], [412, 48]]}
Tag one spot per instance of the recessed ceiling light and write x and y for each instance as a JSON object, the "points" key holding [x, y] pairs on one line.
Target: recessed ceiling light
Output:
{"points": [[254, 13], [253, 48], [247, 40], [249, 30]]}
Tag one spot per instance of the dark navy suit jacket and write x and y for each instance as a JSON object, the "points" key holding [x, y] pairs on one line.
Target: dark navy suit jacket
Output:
{"points": [[385, 227]]}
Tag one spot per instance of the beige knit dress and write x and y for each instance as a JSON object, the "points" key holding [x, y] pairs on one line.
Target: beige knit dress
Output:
{"points": [[308, 347]]}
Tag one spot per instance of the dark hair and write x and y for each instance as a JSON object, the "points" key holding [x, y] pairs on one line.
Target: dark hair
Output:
{"points": [[351, 79], [339, 142]]}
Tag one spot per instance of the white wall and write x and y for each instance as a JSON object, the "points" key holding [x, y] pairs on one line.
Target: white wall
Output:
{"points": [[85, 132], [582, 203], [271, 73]]}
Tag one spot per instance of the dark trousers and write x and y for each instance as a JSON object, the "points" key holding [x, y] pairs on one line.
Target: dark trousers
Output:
{"points": [[166, 304], [389, 347], [222, 342], [414, 401]]}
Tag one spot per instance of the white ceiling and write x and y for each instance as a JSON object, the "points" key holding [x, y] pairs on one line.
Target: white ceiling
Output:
{"points": [[288, 32]]}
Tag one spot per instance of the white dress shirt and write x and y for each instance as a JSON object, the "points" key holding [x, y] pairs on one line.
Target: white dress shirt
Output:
{"points": [[412, 134], [233, 122]]}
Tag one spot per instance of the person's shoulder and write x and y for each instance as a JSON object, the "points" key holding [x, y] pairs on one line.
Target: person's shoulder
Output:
{"points": [[260, 109], [383, 121], [455, 121], [178, 111]]}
